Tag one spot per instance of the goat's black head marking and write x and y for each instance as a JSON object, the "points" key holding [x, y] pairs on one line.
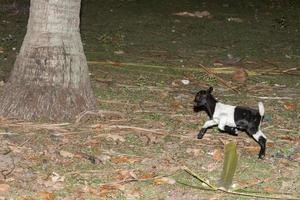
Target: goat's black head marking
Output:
{"points": [[203, 99], [210, 89]]}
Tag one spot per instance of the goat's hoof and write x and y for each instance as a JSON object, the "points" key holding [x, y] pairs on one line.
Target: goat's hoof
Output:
{"points": [[261, 156], [201, 133], [200, 136]]}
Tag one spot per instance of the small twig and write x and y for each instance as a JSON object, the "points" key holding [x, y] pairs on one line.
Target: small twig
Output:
{"points": [[286, 130], [269, 127], [209, 72], [110, 152], [57, 127], [100, 113], [152, 88], [116, 102], [189, 69], [131, 179], [253, 184], [271, 63], [142, 179], [272, 98], [278, 71], [257, 195], [156, 111], [280, 129], [135, 128], [8, 172], [26, 141], [8, 133], [288, 70], [199, 178]]}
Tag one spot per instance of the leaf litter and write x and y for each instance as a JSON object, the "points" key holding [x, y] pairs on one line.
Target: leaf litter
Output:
{"points": [[132, 160]]}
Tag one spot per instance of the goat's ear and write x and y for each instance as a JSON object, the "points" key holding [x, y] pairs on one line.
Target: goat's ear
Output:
{"points": [[210, 89]]}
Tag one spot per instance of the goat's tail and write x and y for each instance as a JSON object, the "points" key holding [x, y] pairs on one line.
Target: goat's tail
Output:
{"points": [[261, 108]]}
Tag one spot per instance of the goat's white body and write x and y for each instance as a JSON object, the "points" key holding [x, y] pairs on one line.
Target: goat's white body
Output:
{"points": [[224, 115]]}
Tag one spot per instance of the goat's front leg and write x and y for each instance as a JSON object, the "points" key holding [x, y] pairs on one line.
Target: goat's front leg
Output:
{"points": [[204, 128], [261, 139], [222, 123]]}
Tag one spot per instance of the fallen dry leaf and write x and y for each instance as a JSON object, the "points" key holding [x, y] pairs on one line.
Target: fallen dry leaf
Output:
{"points": [[164, 95], [198, 14], [218, 64], [119, 52], [147, 175], [176, 105], [97, 127], [93, 142], [240, 75], [125, 159], [235, 19], [125, 174], [115, 63], [4, 188], [269, 189], [93, 191], [55, 181], [27, 198], [290, 106], [297, 156], [66, 154], [175, 83], [103, 158], [247, 183], [185, 82], [217, 155], [115, 137], [287, 138], [194, 152], [201, 14], [110, 188], [55, 177], [46, 196], [252, 150], [270, 144], [164, 180], [134, 193]]}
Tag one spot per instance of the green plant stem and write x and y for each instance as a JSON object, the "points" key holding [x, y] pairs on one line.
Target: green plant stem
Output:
{"points": [[214, 188], [199, 178]]}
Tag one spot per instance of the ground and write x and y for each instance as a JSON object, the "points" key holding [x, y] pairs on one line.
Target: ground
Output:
{"points": [[145, 69]]}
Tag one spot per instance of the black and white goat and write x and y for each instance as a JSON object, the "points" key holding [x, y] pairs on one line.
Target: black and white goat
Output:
{"points": [[231, 118]]}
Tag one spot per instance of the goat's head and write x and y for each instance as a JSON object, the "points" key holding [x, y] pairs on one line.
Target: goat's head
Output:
{"points": [[202, 99]]}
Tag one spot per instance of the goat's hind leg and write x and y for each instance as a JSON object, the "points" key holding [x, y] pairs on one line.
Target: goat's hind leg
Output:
{"points": [[230, 130]]}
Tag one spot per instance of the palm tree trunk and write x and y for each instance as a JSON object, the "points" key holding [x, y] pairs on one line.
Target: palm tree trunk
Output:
{"points": [[50, 78]]}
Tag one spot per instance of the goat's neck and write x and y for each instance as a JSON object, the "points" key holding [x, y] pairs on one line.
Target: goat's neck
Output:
{"points": [[210, 108]]}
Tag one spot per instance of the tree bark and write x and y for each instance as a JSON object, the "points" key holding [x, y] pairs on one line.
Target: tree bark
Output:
{"points": [[50, 78]]}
